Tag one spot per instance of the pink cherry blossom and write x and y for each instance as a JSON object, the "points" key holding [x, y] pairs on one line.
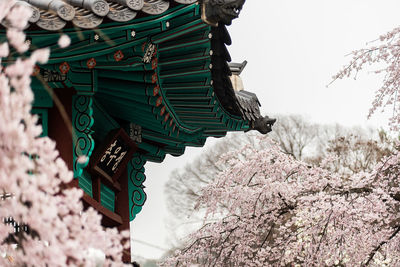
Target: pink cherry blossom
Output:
{"points": [[268, 209], [64, 41], [384, 54], [33, 177]]}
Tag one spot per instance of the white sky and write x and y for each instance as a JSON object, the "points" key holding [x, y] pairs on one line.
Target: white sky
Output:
{"points": [[293, 48]]}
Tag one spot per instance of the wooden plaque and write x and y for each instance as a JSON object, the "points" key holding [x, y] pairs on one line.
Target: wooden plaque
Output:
{"points": [[112, 156]]}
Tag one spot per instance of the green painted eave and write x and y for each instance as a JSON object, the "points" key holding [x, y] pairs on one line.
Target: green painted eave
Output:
{"points": [[171, 97]]}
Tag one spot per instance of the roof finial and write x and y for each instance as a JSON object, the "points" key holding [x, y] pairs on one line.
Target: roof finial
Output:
{"points": [[220, 11]]}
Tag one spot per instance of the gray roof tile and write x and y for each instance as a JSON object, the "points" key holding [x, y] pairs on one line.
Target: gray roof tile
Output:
{"points": [[53, 15]]}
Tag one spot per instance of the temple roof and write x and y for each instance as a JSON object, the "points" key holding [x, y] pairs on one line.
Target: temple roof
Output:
{"points": [[54, 15], [165, 76]]}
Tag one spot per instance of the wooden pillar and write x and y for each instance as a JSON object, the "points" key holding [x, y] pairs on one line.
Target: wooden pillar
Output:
{"points": [[122, 208], [61, 133], [59, 130]]}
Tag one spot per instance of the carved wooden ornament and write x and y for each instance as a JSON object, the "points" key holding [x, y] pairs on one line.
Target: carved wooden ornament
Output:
{"points": [[118, 56], [91, 63], [64, 68]]}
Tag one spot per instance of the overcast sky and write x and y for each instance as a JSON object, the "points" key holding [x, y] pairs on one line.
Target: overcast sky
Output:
{"points": [[293, 48]]}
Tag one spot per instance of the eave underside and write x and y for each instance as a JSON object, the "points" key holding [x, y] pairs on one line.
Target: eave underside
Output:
{"points": [[170, 95]]}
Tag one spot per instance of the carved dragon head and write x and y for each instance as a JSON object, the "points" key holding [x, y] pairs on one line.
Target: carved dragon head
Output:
{"points": [[220, 11], [264, 124]]}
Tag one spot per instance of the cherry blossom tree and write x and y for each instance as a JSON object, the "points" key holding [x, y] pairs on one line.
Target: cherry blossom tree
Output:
{"points": [[352, 150], [268, 208], [384, 53], [33, 177]]}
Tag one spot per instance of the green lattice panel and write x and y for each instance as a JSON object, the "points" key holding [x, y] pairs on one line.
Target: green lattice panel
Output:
{"points": [[107, 197], [85, 182]]}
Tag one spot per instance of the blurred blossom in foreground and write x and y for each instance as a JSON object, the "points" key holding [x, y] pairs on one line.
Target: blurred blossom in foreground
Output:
{"points": [[60, 232]]}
